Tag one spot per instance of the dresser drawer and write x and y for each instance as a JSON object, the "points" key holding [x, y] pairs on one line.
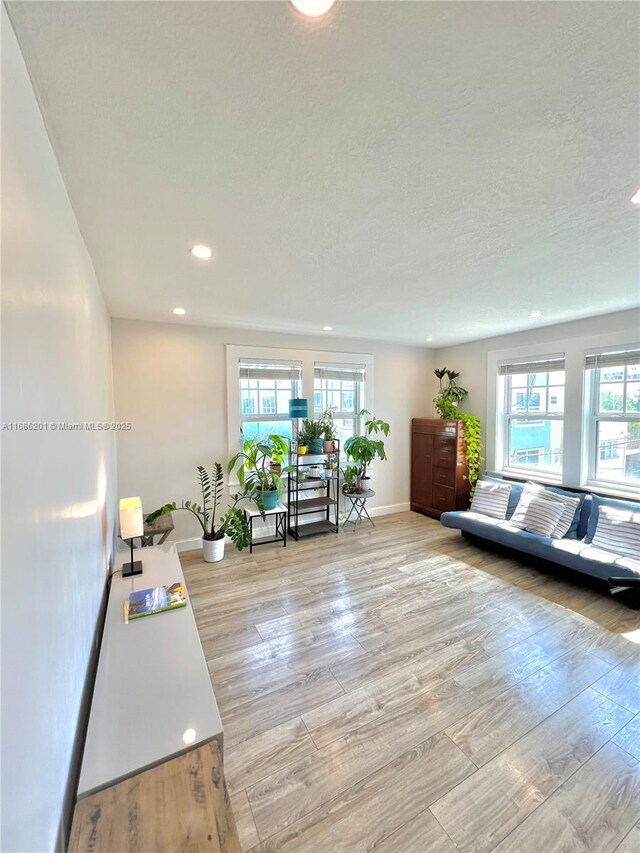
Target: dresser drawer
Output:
{"points": [[444, 498], [444, 476]]}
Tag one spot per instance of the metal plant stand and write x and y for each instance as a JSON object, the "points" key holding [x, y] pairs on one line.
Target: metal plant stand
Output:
{"points": [[307, 495], [358, 509]]}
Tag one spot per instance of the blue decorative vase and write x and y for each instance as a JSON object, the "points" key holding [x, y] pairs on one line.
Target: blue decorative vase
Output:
{"points": [[269, 499], [315, 445]]}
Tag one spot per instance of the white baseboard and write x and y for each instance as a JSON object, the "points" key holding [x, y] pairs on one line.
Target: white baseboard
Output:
{"points": [[195, 542], [389, 509]]}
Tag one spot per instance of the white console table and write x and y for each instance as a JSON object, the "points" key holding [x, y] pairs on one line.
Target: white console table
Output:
{"points": [[153, 698]]}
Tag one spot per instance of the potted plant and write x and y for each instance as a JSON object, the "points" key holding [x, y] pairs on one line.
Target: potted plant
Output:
{"points": [[328, 431], [260, 482], [311, 436], [233, 524], [279, 452], [350, 475], [446, 401], [363, 449]]}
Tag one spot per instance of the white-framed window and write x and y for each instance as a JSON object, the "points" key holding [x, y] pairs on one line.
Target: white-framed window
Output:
{"points": [[261, 380], [265, 390], [532, 421], [340, 387], [613, 394]]}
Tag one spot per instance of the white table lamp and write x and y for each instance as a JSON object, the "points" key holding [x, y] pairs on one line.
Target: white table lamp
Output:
{"points": [[131, 524]]}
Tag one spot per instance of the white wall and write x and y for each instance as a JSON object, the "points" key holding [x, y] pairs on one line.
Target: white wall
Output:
{"points": [[477, 364], [58, 488], [170, 382]]}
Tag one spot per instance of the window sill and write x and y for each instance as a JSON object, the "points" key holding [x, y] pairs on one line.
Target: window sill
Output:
{"points": [[615, 490], [526, 476]]}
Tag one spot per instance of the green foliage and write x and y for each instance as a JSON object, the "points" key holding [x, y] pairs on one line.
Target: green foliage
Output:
{"points": [[350, 475], [328, 426], [233, 524], [446, 403], [310, 430], [252, 467], [362, 449]]}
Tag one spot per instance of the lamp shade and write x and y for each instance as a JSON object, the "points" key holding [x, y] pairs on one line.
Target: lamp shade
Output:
{"points": [[131, 521], [298, 407]]}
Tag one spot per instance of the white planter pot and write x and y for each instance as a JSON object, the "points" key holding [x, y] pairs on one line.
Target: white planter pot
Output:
{"points": [[212, 550], [365, 484]]}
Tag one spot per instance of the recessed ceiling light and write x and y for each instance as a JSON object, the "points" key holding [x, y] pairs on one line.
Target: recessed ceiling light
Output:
{"points": [[313, 8], [429, 339], [327, 328], [179, 311], [535, 315], [635, 199], [189, 736], [201, 251]]}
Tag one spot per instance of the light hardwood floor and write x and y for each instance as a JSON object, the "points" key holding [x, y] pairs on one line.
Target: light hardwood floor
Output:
{"points": [[403, 690]]}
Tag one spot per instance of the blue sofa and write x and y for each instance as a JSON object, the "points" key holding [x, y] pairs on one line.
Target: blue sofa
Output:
{"points": [[574, 551]]}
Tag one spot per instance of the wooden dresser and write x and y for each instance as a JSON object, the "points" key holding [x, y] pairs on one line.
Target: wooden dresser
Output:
{"points": [[438, 466]]}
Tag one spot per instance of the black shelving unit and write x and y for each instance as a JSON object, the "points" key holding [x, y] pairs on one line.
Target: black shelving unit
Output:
{"points": [[306, 496]]}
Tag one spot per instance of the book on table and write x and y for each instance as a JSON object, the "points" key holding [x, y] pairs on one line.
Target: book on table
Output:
{"points": [[146, 602]]}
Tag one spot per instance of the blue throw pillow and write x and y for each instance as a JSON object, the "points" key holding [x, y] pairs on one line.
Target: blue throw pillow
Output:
{"points": [[514, 495], [599, 501], [572, 532]]}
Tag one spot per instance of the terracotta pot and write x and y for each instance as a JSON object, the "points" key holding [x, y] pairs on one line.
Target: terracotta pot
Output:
{"points": [[328, 446]]}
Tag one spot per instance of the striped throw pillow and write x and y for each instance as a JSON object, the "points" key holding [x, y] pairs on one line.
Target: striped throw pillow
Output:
{"points": [[618, 531], [491, 499], [570, 505], [529, 491], [542, 515]]}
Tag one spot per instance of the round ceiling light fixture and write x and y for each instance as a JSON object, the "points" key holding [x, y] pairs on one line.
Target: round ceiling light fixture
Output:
{"points": [[535, 315], [313, 8], [635, 199], [179, 312], [201, 251], [327, 328], [429, 339]]}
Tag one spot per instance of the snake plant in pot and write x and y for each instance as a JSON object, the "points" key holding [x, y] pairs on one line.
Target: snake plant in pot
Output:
{"points": [[362, 449], [253, 469], [233, 523]]}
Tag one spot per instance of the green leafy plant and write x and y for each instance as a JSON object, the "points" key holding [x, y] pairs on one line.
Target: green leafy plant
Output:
{"points": [[309, 431], [252, 467], [233, 523], [446, 402], [350, 475], [328, 425], [361, 448]]}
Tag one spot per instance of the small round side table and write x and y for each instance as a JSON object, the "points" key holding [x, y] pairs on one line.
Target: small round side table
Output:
{"points": [[358, 509]]}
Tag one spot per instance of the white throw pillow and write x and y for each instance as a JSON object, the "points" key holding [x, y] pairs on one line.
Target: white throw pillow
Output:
{"points": [[569, 506], [542, 515], [529, 491], [491, 499], [618, 531]]}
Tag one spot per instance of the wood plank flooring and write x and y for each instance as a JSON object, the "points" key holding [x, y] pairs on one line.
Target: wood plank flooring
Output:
{"points": [[403, 690]]}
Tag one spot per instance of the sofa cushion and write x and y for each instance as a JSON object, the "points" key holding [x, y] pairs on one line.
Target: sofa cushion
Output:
{"points": [[514, 495], [596, 502], [542, 515], [567, 524], [491, 498], [618, 531], [572, 531]]}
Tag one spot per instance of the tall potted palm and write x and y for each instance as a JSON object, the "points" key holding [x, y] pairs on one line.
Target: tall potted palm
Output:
{"points": [[233, 523]]}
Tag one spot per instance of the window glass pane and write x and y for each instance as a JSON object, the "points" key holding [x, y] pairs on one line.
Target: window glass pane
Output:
{"points": [[556, 399], [612, 374], [556, 377], [538, 400], [260, 429], [633, 397], [633, 371], [536, 444], [611, 397], [618, 452], [538, 378], [347, 401], [267, 403], [518, 400], [519, 380], [346, 427], [248, 403]]}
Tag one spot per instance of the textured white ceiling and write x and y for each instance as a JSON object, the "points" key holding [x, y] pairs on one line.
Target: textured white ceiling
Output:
{"points": [[395, 169]]}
